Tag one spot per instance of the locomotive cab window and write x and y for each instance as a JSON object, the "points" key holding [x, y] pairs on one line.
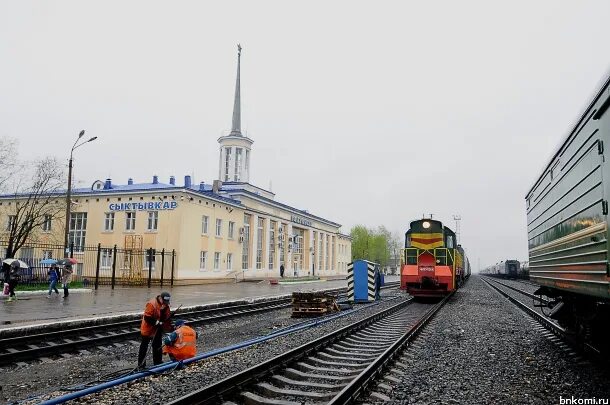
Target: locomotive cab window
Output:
{"points": [[450, 243]]}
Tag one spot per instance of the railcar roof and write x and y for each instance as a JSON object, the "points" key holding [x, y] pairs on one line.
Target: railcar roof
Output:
{"points": [[601, 88]]}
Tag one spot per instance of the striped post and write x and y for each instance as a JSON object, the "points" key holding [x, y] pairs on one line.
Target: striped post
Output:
{"points": [[371, 281], [350, 282]]}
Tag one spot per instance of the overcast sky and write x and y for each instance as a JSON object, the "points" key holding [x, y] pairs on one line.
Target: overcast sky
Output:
{"points": [[363, 113]]}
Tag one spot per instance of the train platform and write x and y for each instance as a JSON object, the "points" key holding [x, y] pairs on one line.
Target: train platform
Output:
{"points": [[30, 310]]}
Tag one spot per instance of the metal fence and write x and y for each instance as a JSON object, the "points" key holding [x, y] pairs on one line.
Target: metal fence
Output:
{"points": [[98, 265]]}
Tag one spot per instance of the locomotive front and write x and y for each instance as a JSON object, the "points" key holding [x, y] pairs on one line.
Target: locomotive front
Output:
{"points": [[430, 259]]}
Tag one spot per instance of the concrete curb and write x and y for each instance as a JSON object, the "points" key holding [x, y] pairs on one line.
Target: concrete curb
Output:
{"points": [[45, 292], [57, 325]]}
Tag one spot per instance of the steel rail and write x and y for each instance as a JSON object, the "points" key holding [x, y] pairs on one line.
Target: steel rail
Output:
{"points": [[80, 341], [225, 388], [88, 336], [546, 323], [527, 294], [356, 387]]}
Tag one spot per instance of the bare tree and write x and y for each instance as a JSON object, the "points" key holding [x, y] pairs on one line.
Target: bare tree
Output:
{"points": [[34, 202], [8, 161]]}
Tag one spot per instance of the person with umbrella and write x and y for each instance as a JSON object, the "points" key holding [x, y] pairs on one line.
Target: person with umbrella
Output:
{"points": [[66, 274], [54, 276], [11, 268]]}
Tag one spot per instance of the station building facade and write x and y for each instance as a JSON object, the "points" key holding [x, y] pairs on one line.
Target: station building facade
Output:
{"points": [[229, 229]]}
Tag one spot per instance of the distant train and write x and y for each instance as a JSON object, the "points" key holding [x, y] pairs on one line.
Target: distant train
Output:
{"points": [[567, 224], [433, 263], [505, 269]]}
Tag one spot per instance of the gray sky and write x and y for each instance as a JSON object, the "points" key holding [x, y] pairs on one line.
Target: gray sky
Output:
{"points": [[370, 113]]}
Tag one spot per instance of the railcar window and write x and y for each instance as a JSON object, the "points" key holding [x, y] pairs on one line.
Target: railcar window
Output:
{"points": [[450, 241]]}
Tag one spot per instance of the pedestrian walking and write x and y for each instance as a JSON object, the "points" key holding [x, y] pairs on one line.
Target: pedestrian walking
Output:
{"points": [[282, 270], [11, 277], [66, 278], [155, 320], [181, 344], [54, 277]]}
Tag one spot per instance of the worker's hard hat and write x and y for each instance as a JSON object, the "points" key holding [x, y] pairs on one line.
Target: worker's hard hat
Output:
{"points": [[165, 296], [179, 322]]}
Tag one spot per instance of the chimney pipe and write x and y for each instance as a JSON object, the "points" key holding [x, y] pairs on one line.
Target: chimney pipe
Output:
{"points": [[172, 180], [155, 180], [129, 181], [202, 186], [187, 181], [216, 186], [108, 184]]}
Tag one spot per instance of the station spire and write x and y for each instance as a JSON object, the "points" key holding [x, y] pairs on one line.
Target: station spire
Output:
{"points": [[236, 127]]}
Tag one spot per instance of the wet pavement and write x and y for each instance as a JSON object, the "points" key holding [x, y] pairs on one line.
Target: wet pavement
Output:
{"points": [[123, 300]]}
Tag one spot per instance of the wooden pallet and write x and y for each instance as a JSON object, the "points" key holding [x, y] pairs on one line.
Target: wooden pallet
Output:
{"points": [[312, 304]]}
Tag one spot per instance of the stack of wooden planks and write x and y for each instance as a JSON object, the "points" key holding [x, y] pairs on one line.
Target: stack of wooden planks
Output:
{"points": [[312, 304]]}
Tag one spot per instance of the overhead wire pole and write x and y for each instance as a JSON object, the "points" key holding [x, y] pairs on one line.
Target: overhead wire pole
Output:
{"points": [[457, 218]]}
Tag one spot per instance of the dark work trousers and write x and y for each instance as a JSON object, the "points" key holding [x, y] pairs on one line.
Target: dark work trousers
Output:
{"points": [[11, 287], [156, 348]]}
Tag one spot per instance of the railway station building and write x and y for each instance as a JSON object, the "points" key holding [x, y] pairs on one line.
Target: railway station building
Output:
{"points": [[221, 230]]}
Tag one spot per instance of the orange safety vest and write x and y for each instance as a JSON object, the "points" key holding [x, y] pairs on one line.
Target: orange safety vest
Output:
{"points": [[153, 309], [185, 345]]}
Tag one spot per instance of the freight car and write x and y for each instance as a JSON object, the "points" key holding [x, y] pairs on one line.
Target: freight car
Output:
{"points": [[504, 269], [433, 264], [567, 223]]}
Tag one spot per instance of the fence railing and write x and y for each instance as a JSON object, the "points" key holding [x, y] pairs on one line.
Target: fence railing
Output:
{"points": [[98, 265]]}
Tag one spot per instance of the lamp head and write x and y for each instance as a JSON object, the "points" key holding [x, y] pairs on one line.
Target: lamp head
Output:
{"points": [[92, 139], [80, 135]]}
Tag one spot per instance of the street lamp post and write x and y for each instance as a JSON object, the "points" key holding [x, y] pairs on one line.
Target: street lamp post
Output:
{"points": [[69, 193]]}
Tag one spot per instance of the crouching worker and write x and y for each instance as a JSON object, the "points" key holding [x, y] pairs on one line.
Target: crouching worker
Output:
{"points": [[181, 344]]}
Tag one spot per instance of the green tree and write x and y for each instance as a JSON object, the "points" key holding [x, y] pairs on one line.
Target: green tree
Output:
{"points": [[360, 242], [372, 245]]}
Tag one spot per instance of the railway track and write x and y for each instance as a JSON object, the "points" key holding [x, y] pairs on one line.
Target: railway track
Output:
{"points": [[57, 342], [334, 369], [20, 348], [551, 326]]}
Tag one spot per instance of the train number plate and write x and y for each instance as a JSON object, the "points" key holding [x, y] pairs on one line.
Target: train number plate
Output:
{"points": [[427, 268]]}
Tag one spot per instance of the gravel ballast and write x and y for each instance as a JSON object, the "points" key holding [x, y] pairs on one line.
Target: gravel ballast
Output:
{"points": [[162, 388], [480, 349]]}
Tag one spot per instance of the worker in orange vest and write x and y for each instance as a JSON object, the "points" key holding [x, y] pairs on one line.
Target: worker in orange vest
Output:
{"points": [[181, 344], [155, 320]]}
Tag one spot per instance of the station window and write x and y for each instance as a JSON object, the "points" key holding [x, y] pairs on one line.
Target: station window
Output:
{"points": [[237, 175], [149, 259], [130, 221], [259, 243], [109, 222], [203, 255], [205, 220], [271, 244], [10, 222], [245, 238], [46, 225], [106, 259], [78, 230], [321, 252], [229, 261], [218, 227], [227, 161], [153, 220], [216, 260], [231, 229]]}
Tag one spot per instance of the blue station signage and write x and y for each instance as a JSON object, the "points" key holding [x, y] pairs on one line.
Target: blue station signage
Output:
{"points": [[144, 206]]}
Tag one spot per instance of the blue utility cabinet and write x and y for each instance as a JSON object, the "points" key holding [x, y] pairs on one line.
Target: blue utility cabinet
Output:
{"points": [[363, 281]]}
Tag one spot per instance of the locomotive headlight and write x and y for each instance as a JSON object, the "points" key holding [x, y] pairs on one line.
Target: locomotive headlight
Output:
{"points": [[426, 224]]}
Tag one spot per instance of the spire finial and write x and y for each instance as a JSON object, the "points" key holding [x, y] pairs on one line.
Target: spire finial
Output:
{"points": [[236, 127]]}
